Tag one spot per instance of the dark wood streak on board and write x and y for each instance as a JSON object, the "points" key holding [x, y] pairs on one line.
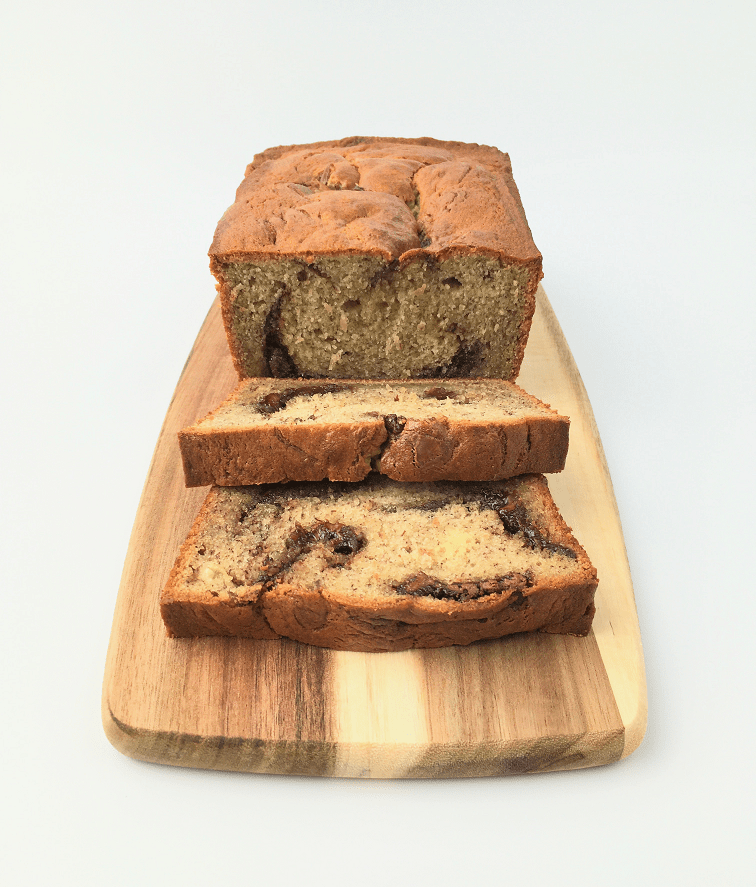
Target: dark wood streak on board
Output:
{"points": [[236, 753]]}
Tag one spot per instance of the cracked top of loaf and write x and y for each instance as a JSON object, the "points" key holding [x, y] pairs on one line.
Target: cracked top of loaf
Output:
{"points": [[389, 197]]}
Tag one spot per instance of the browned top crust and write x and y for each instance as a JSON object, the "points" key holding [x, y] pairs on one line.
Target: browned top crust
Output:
{"points": [[389, 197]]}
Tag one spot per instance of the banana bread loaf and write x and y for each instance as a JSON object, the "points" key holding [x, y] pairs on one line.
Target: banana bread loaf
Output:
{"points": [[377, 258], [379, 566], [272, 431]]}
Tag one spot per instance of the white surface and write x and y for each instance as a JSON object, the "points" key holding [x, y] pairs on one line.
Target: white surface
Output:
{"points": [[126, 128]]}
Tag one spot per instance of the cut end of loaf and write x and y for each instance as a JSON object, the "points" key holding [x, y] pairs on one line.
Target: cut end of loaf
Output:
{"points": [[352, 316]]}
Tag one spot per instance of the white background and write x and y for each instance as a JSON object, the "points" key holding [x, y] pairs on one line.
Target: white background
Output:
{"points": [[126, 128]]}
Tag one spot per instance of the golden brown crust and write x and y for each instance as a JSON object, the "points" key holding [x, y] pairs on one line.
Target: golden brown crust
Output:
{"points": [[351, 197], [437, 449], [239, 457], [308, 616], [425, 449]]}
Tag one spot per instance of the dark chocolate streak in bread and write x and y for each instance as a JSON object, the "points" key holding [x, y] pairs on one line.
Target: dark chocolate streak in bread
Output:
{"points": [[514, 517], [277, 400], [439, 393], [464, 362], [515, 520], [276, 355], [422, 584], [341, 542]]}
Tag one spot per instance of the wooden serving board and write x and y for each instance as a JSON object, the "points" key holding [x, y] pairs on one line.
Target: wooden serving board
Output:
{"points": [[521, 704]]}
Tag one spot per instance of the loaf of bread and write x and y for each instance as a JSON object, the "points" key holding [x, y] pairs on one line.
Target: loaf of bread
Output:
{"points": [[273, 431], [377, 258], [379, 565]]}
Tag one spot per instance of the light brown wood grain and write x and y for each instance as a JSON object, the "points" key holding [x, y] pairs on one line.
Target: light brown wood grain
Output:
{"points": [[585, 496], [522, 704]]}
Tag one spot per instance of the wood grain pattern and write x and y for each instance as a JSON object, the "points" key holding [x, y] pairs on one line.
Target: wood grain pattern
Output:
{"points": [[522, 704]]}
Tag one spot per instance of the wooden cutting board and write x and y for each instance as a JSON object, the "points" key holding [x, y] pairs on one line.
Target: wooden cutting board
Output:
{"points": [[521, 704]]}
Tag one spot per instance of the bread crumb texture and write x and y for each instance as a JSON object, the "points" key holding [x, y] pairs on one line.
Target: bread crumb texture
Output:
{"points": [[263, 401]]}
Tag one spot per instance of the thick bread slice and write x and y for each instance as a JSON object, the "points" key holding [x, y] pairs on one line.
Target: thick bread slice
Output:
{"points": [[379, 566], [273, 431]]}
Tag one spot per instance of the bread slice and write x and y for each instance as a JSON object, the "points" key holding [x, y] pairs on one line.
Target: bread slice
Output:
{"points": [[379, 566], [377, 258], [271, 431]]}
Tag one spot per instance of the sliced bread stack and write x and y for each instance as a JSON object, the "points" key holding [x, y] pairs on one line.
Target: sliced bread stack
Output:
{"points": [[377, 476]]}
